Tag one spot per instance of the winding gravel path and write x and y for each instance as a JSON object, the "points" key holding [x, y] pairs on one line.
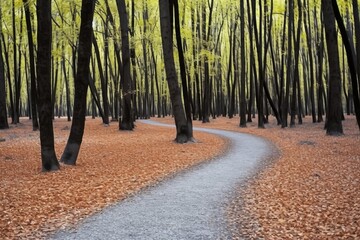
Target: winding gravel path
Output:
{"points": [[190, 205]]}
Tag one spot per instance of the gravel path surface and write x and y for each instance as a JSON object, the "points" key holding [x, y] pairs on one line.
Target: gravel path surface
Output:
{"points": [[191, 205]]}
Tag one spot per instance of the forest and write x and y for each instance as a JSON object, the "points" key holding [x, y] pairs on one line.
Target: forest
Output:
{"points": [[197, 60]]}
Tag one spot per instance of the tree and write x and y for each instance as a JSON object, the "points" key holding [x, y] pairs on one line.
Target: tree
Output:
{"points": [[166, 25], [126, 122], [350, 57], [186, 93], [334, 110], [242, 68], [3, 112], [48, 156], [72, 148], [32, 66]]}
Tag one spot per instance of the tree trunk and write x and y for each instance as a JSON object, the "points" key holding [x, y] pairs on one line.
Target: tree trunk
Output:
{"points": [[242, 67], [3, 112], [126, 122], [166, 16], [186, 93], [351, 60], [48, 156], [35, 123], [289, 77], [104, 82], [334, 110], [311, 62], [81, 84]]}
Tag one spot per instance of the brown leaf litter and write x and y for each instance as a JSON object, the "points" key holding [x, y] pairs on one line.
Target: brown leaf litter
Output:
{"points": [[312, 191], [112, 165]]}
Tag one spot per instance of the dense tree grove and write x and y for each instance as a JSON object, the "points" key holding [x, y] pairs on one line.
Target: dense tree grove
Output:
{"points": [[195, 60]]}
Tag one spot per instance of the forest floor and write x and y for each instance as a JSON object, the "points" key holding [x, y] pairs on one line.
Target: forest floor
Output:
{"points": [[112, 165], [311, 191]]}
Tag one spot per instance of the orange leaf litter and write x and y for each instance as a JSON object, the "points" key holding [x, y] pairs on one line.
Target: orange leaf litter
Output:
{"points": [[311, 190]]}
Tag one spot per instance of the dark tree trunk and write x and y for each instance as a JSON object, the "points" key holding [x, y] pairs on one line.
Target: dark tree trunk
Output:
{"points": [[258, 42], [81, 84], [166, 25], [146, 101], [48, 156], [34, 118], [67, 89], [15, 109], [104, 82], [242, 67], [8, 76], [187, 100], [135, 114], [334, 110], [94, 93], [285, 102], [357, 34], [127, 122], [351, 60], [3, 112], [311, 62], [207, 84], [296, 82]]}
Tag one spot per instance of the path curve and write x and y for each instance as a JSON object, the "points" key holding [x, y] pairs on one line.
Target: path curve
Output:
{"points": [[189, 206]]}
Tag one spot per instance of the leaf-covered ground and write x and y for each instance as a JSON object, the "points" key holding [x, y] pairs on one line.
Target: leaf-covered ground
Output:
{"points": [[111, 166], [311, 191]]}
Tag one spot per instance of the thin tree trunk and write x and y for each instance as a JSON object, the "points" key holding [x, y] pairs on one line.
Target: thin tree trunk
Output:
{"points": [[35, 123], [3, 111], [126, 122]]}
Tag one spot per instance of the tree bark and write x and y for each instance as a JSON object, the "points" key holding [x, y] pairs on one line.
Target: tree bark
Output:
{"points": [[3, 112], [127, 122], [187, 100], [81, 84], [48, 156], [242, 67], [166, 16], [334, 111], [351, 61], [35, 122]]}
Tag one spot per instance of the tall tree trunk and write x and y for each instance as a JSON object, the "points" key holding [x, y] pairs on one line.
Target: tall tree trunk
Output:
{"points": [[357, 35], [351, 60], [207, 85], [104, 83], [133, 63], [289, 77], [15, 109], [3, 112], [35, 123], [311, 61], [296, 81], [146, 101], [334, 110], [48, 156], [72, 148], [242, 67], [166, 25], [187, 100], [126, 122]]}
